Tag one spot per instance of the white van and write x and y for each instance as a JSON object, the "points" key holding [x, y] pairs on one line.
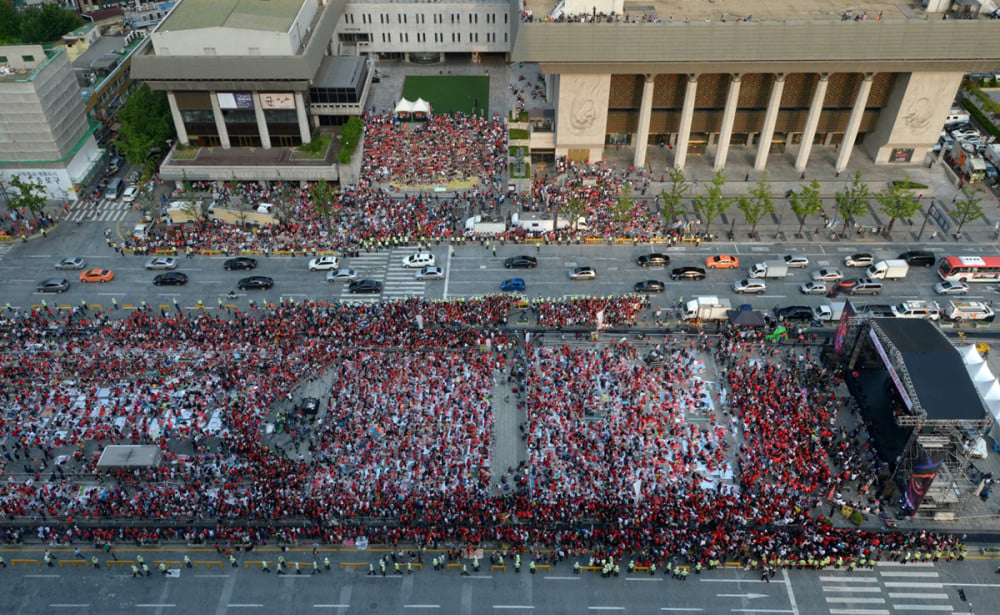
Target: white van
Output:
{"points": [[115, 187], [140, 231], [956, 115]]}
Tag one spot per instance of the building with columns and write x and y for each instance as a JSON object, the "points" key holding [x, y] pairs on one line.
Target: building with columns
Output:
{"points": [[775, 79]]}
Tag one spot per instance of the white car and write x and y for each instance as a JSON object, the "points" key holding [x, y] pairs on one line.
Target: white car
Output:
{"points": [[324, 263], [130, 193], [430, 273], [951, 287], [965, 134], [583, 273], [342, 275], [161, 262], [749, 286], [861, 259], [827, 275], [814, 288], [796, 261], [419, 260]]}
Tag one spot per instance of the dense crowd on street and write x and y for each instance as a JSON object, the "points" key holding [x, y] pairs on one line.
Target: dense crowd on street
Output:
{"points": [[590, 311], [407, 434]]}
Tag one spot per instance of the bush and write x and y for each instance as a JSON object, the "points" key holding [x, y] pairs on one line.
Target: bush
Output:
{"points": [[350, 135], [984, 121], [857, 518], [909, 185]]}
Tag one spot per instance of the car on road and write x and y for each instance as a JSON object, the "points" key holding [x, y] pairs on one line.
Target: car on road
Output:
{"points": [[859, 286], [722, 261], [171, 278], [513, 285], [161, 262], [951, 287], [794, 312], [52, 285], [324, 263], [365, 287], [814, 288], [796, 261], [828, 274], [418, 260], [255, 282], [97, 275], [521, 262], [130, 193], [748, 286], [583, 273], [652, 260], [649, 286], [918, 257], [309, 406], [430, 273], [240, 263], [861, 259], [342, 275], [71, 263], [687, 273]]}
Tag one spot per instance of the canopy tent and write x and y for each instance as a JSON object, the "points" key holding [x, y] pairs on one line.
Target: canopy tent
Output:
{"points": [[990, 391], [404, 109], [970, 355], [981, 373], [421, 109], [126, 456]]}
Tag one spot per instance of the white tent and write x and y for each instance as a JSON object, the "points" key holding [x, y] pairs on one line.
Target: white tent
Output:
{"points": [[990, 391], [995, 409], [421, 106], [404, 107], [981, 373], [970, 356]]}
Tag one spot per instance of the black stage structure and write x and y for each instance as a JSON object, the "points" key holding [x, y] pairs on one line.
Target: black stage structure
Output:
{"points": [[919, 404]]}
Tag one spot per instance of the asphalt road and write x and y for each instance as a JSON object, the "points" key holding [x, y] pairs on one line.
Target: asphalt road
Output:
{"points": [[889, 589]]}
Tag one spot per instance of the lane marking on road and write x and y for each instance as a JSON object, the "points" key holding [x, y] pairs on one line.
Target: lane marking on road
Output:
{"points": [[68, 606], [918, 595], [848, 588], [40, 576], [859, 611], [156, 606], [212, 576], [605, 608], [890, 563], [969, 584], [526, 607], [561, 578], [917, 585], [923, 607], [686, 609], [764, 611], [244, 606], [421, 606], [788, 589], [851, 579], [900, 573], [331, 606], [857, 600], [654, 579], [731, 581]]}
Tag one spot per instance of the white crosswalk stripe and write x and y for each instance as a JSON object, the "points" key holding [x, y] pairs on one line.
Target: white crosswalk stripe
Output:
{"points": [[5, 248], [900, 590], [106, 210]]}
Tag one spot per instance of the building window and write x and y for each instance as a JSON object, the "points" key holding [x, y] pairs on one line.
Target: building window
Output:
{"points": [[254, 51], [27, 58], [3, 59], [405, 38], [209, 51]]}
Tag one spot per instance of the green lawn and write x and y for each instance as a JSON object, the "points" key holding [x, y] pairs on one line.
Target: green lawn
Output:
{"points": [[449, 94]]}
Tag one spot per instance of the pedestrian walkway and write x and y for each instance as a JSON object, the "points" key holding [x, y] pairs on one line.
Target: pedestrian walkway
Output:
{"points": [[105, 210], [891, 588], [5, 248]]}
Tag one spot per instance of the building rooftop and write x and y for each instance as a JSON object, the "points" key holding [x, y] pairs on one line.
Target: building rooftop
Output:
{"points": [[265, 15], [676, 11], [340, 72], [19, 68]]}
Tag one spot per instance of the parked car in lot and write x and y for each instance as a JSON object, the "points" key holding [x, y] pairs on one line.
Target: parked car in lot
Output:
{"points": [[161, 262], [722, 261], [813, 288], [827, 274], [649, 286], [861, 259], [365, 287], [521, 262], [652, 260], [687, 273], [172, 278], [97, 275], [52, 285], [342, 275], [513, 285], [418, 260], [748, 286], [583, 273], [255, 282], [430, 273], [71, 263], [951, 287], [240, 263], [324, 263]]}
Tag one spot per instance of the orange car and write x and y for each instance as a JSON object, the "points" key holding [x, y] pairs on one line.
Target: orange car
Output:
{"points": [[722, 261], [97, 275]]}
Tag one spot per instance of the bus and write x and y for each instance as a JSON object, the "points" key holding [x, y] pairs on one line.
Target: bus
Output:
{"points": [[970, 268]]}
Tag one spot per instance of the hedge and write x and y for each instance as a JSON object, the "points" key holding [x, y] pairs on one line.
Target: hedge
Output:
{"points": [[350, 135], [984, 121]]}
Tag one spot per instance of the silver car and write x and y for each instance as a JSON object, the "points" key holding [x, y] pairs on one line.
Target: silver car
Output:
{"points": [[71, 263], [161, 262], [430, 273], [342, 275]]}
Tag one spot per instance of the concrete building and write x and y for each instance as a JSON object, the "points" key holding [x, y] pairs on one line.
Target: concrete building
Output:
{"points": [[776, 78], [45, 135]]}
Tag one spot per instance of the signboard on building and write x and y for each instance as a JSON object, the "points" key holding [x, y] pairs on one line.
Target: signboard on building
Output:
{"points": [[901, 154], [277, 101], [235, 100]]}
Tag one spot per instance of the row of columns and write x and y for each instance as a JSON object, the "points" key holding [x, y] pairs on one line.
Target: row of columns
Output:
{"points": [[258, 108], [641, 139]]}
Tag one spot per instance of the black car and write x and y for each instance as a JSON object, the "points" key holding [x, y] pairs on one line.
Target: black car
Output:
{"points": [[918, 257], [309, 406], [254, 282], [365, 287], [687, 273], [794, 312], [52, 285], [171, 278], [240, 262], [521, 262], [650, 286], [652, 260]]}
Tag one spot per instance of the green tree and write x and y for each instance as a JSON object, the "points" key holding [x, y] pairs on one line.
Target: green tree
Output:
{"points": [[29, 195], [897, 202], [967, 207], [680, 188], [47, 23], [624, 207], [575, 210], [806, 202], [145, 124], [712, 204], [852, 201], [10, 23], [757, 204], [324, 199]]}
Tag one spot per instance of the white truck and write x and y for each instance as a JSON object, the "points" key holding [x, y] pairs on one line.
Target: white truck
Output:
{"points": [[769, 269], [894, 269], [917, 309], [543, 223], [992, 153], [478, 225], [959, 311], [830, 312], [707, 308]]}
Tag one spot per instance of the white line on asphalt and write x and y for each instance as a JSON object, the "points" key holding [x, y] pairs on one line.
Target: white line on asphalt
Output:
{"points": [[479, 576], [605, 608], [917, 585], [731, 581], [331, 606], [791, 594], [513, 607], [764, 611], [681, 608], [213, 576], [971, 584], [40, 576], [155, 606], [859, 611], [881, 564], [900, 573], [923, 607], [68, 606], [848, 588], [654, 579], [851, 579], [857, 600], [918, 595], [421, 606], [244, 606], [561, 578]]}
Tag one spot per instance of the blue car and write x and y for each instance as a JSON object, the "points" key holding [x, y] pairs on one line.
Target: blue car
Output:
{"points": [[512, 285]]}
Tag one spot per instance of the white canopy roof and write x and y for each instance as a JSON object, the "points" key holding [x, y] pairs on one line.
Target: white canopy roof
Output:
{"points": [[970, 355], [990, 391], [421, 106], [981, 373], [404, 106]]}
